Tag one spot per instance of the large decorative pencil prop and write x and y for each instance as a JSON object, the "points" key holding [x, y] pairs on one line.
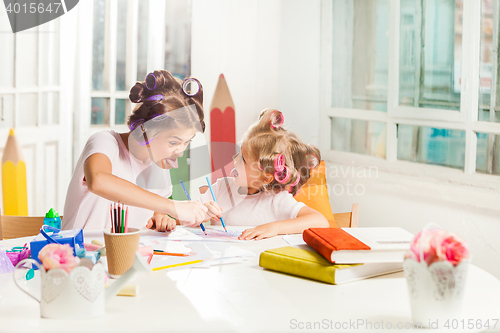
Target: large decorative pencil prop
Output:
{"points": [[15, 193], [222, 131]]}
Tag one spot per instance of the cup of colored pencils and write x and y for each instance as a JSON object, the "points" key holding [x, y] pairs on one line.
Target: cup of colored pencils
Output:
{"points": [[119, 218]]}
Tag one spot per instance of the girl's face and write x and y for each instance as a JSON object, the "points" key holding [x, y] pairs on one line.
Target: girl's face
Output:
{"points": [[246, 171], [167, 146]]}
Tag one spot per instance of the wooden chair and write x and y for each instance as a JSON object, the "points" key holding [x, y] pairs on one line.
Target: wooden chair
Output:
{"points": [[349, 219], [20, 226]]}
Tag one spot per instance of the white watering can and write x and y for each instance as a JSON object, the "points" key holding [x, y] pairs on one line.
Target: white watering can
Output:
{"points": [[79, 294]]}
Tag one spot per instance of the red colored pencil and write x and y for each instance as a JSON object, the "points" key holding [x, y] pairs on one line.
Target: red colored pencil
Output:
{"points": [[126, 219], [111, 216]]}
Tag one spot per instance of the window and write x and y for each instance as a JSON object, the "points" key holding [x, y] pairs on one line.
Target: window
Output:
{"points": [[400, 87], [127, 45]]}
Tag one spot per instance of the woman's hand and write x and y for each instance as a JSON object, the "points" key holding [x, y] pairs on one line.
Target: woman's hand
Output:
{"points": [[161, 222], [260, 232], [190, 211]]}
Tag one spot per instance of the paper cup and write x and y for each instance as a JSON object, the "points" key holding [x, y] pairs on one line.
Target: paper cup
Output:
{"points": [[120, 250]]}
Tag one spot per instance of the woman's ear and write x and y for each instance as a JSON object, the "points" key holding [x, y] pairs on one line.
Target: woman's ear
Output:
{"points": [[267, 178]]}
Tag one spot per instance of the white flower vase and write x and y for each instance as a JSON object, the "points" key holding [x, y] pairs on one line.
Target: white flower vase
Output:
{"points": [[436, 291]]}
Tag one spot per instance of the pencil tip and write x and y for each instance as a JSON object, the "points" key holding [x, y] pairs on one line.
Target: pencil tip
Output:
{"points": [[221, 76]]}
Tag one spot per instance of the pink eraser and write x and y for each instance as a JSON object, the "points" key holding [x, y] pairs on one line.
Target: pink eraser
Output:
{"points": [[146, 251], [91, 247]]}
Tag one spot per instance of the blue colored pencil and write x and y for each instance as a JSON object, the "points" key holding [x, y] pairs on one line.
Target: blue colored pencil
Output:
{"points": [[213, 196], [189, 198]]}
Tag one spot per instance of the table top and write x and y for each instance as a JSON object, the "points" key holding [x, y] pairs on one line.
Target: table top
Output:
{"points": [[244, 297]]}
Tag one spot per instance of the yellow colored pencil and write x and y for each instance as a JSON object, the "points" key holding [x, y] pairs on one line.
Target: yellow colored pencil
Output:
{"points": [[177, 265], [14, 186]]}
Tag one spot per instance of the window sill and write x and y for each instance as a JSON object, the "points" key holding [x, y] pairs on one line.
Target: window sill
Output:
{"points": [[430, 181]]}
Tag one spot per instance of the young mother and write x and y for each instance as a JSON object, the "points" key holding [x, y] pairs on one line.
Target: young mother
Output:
{"points": [[133, 168]]}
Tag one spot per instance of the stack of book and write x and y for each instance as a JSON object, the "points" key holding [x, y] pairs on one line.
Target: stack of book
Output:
{"points": [[339, 255]]}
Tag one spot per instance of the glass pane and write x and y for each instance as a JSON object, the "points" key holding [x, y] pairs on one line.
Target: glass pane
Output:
{"points": [[488, 153], [27, 58], [487, 64], [50, 109], [120, 111], [358, 136], [142, 40], [121, 46], [7, 54], [431, 145], [178, 38], [100, 111], [360, 54], [430, 53], [99, 61], [27, 110], [49, 53], [6, 111]]}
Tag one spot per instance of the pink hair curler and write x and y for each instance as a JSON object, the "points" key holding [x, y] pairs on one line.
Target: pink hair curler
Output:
{"points": [[150, 81], [136, 124], [276, 119], [296, 180], [312, 161], [279, 162], [283, 177], [157, 98], [260, 168]]}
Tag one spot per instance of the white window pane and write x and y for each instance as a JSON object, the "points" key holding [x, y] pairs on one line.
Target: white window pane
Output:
{"points": [[99, 60], [178, 38], [488, 64], [7, 53], [100, 111], [50, 108], [142, 40], [6, 111], [27, 58], [27, 110], [360, 54], [431, 145], [121, 46], [358, 136], [488, 153], [49, 53], [430, 53]]}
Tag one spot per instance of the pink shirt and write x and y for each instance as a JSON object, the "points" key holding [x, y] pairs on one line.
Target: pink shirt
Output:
{"points": [[84, 209]]}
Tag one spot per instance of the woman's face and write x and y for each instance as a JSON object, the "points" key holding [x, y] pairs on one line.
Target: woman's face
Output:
{"points": [[246, 171], [167, 146]]}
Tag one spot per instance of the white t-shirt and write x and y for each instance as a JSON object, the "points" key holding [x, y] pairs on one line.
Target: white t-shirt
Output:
{"points": [[84, 209], [251, 210]]}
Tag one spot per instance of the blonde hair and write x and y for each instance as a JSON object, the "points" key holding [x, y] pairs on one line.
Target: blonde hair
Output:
{"points": [[266, 140]]}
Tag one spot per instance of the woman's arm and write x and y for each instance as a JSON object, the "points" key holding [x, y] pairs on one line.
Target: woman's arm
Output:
{"points": [[306, 218], [100, 181]]}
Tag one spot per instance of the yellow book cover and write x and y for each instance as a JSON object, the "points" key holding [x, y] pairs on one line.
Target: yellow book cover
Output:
{"points": [[312, 265]]}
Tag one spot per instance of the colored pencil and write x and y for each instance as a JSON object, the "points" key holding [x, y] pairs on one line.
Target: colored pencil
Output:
{"points": [[126, 220], [189, 198], [119, 217], [116, 218], [170, 254], [111, 216], [176, 265], [213, 196], [123, 220], [14, 186]]}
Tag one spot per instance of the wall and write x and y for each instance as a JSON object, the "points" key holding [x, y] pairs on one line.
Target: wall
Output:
{"points": [[268, 52]]}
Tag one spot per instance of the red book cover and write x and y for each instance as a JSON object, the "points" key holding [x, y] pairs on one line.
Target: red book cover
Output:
{"points": [[328, 240]]}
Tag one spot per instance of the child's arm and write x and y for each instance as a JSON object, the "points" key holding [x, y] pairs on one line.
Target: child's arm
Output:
{"points": [[306, 218], [161, 222], [101, 181]]}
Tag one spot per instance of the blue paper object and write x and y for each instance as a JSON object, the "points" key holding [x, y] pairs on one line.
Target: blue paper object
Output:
{"points": [[53, 235], [92, 256]]}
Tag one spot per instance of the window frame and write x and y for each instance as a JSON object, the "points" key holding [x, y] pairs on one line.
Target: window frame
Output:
{"points": [[466, 119]]}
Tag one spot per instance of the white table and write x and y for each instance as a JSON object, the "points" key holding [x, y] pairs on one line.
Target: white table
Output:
{"points": [[244, 297]]}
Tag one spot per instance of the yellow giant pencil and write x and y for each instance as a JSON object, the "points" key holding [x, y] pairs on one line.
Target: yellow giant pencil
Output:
{"points": [[15, 193]]}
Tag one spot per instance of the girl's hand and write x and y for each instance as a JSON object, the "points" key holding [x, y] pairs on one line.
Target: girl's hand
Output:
{"points": [[161, 222], [260, 232], [190, 211], [214, 210]]}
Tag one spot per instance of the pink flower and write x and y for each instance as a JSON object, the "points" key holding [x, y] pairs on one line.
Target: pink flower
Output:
{"points": [[58, 256], [438, 245]]}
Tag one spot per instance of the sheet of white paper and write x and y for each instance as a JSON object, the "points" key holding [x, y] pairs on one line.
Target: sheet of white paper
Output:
{"points": [[196, 250], [294, 240]]}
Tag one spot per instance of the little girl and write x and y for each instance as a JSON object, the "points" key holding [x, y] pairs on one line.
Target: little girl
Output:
{"points": [[270, 168]]}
